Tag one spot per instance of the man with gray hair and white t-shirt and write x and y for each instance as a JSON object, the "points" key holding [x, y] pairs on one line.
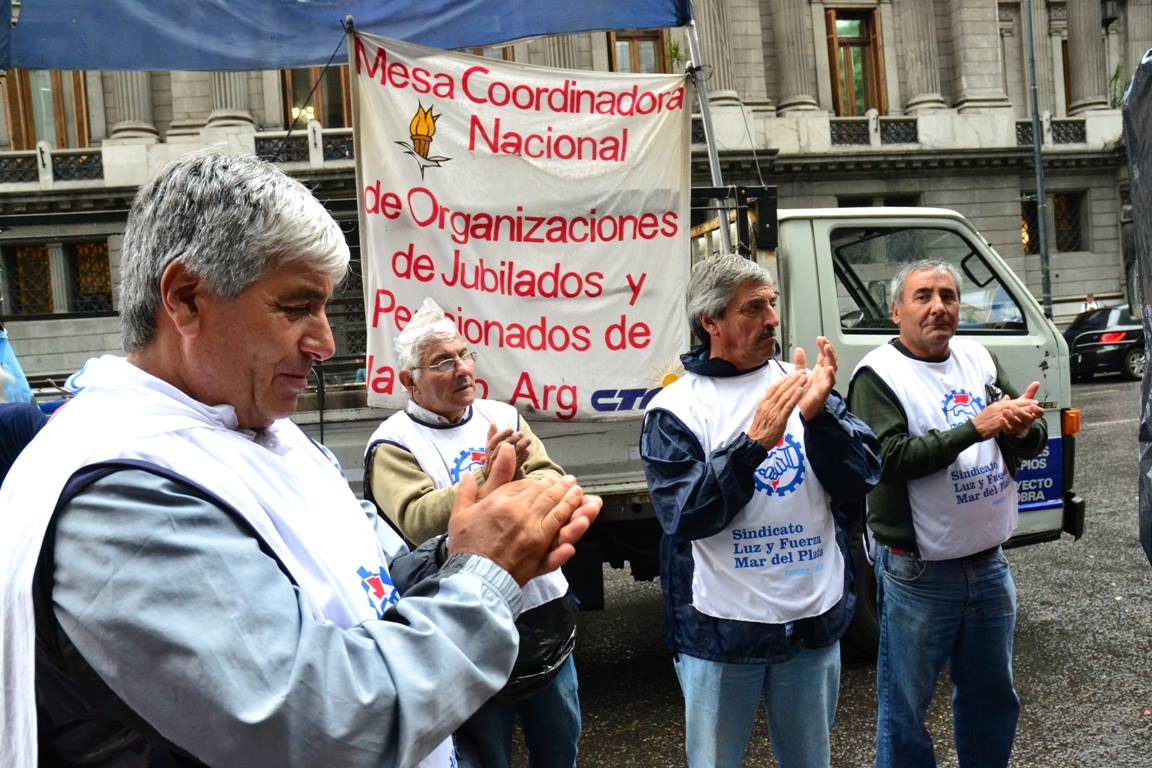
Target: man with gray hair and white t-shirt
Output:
{"points": [[952, 433], [756, 471], [189, 579], [414, 464]]}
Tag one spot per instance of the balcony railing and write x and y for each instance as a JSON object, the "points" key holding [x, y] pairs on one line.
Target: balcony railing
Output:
{"points": [[18, 168], [1061, 132], [77, 164], [282, 147], [338, 144], [850, 131], [899, 130], [1068, 132]]}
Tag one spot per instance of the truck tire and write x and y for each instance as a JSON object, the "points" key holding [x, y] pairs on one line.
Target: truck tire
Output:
{"points": [[863, 637]]}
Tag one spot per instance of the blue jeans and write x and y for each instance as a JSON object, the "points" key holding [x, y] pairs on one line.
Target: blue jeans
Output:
{"points": [[720, 703], [550, 721], [956, 612]]}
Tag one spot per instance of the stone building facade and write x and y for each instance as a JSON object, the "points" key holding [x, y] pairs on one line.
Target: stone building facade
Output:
{"points": [[835, 102]]}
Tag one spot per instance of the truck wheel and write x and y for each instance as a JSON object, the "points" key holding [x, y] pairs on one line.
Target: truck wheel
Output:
{"points": [[1134, 364], [863, 637]]}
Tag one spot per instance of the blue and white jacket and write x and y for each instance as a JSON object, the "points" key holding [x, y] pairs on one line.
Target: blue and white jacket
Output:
{"points": [[696, 496]]}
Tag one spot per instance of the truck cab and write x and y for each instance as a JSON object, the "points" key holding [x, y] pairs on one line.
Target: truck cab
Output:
{"points": [[834, 270]]}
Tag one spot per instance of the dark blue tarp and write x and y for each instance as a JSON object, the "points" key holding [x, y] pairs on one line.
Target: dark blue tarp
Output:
{"points": [[271, 34], [5, 32], [1138, 138]]}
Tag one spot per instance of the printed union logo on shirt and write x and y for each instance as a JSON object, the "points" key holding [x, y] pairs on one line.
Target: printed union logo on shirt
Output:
{"points": [[379, 588], [468, 460], [782, 472], [961, 406]]}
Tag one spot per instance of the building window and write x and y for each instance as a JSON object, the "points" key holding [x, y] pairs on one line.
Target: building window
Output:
{"points": [[46, 105], [29, 281], [1029, 228], [498, 52], [90, 277], [1067, 216], [320, 94], [856, 58], [84, 283], [639, 51]]}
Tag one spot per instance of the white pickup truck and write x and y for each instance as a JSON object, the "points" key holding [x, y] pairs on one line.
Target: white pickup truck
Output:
{"points": [[833, 268]]}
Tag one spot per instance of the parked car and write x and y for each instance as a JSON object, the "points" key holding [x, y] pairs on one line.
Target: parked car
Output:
{"points": [[1107, 340]]}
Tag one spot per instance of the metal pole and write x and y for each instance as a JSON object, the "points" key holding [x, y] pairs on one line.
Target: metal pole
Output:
{"points": [[709, 134], [1038, 162]]}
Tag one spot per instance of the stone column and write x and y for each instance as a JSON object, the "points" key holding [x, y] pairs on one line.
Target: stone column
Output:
{"points": [[793, 55], [920, 55], [978, 70], [229, 99], [1086, 57], [712, 26], [132, 95], [562, 52], [1138, 25]]}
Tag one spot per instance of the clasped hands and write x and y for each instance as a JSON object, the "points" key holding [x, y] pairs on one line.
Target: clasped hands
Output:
{"points": [[517, 439], [803, 388], [526, 526], [1010, 415]]}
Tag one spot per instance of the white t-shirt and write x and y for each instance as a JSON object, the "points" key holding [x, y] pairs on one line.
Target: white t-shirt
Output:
{"points": [[445, 452], [777, 560], [971, 505]]}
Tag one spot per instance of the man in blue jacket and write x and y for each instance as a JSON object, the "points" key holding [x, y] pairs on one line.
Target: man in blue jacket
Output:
{"points": [[753, 467]]}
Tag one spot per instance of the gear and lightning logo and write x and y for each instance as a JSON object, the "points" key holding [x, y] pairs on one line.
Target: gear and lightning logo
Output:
{"points": [[961, 406], [468, 460], [782, 471]]}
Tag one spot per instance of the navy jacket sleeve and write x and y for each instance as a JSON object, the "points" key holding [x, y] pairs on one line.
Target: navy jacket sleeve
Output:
{"points": [[843, 451], [694, 495]]}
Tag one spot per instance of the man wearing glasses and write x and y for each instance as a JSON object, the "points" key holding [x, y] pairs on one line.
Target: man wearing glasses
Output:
{"points": [[413, 464]]}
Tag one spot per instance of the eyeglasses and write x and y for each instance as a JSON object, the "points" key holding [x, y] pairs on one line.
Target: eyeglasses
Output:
{"points": [[448, 364]]}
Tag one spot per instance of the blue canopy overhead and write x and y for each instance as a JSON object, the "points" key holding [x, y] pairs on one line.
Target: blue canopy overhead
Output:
{"points": [[272, 34]]}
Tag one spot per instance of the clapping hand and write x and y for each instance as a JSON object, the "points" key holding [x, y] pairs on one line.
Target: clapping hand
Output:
{"points": [[527, 527], [1012, 416], [822, 377]]}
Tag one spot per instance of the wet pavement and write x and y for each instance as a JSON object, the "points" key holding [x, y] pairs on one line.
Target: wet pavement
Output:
{"points": [[1083, 643]]}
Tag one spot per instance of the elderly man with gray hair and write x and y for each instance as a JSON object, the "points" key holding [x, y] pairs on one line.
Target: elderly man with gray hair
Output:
{"points": [[414, 465], [190, 581], [953, 432], [756, 470]]}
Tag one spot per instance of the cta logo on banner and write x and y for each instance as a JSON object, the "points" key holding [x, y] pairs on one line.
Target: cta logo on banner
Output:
{"points": [[546, 211]]}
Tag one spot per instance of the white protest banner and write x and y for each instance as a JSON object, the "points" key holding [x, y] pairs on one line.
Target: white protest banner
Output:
{"points": [[546, 211]]}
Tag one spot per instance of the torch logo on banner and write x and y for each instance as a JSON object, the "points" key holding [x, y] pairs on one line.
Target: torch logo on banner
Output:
{"points": [[422, 129]]}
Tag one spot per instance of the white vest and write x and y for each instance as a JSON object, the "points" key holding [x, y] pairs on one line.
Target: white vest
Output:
{"points": [[971, 505], [446, 452], [777, 561], [283, 484]]}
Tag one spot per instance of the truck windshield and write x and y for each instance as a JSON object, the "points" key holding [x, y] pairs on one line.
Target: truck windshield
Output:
{"points": [[866, 258]]}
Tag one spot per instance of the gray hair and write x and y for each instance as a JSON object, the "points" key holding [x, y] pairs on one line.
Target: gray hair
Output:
{"points": [[714, 282], [230, 220], [924, 265], [411, 351]]}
